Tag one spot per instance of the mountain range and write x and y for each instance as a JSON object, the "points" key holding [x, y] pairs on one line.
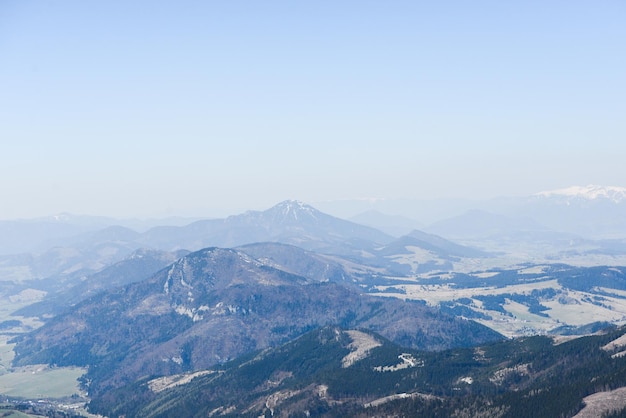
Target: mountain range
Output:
{"points": [[144, 309], [591, 211], [215, 305], [344, 252], [580, 225]]}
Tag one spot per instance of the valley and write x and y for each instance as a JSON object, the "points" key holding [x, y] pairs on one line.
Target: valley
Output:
{"points": [[529, 301], [53, 388]]}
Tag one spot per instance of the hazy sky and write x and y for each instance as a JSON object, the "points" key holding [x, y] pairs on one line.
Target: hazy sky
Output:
{"points": [[151, 108]]}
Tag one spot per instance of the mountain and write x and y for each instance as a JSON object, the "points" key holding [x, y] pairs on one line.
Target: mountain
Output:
{"points": [[439, 246], [215, 305], [426, 211], [295, 260], [482, 224], [109, 233], [597, 212], [24, 236], [331, 372], [139, 265], [419, 252], [41, 234], [289, 222], [63, 266], [393, 225], [362, 271]]}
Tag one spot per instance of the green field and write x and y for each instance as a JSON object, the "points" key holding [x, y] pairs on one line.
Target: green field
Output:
{"points": [[15, 414], [41, 382], [30, 382], [6, 355]]}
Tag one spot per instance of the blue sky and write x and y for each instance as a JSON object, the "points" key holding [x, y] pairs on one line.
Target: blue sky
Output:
{"points": [[153, 108]]}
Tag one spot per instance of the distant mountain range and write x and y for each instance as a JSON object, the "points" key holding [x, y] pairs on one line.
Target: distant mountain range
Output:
{"points": [[40, 234], [591, 192], [593, 212], [590, 212]]}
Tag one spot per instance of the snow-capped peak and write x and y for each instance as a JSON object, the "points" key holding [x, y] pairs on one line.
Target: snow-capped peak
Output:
{"points": [[591, 192], [294, 207]]}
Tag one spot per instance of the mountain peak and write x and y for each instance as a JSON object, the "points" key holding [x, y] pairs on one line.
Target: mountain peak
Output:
{"points": [[294, 205], [590, 192], [294, 209]]}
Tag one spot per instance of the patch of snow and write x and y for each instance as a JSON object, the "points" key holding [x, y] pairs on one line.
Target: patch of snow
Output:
{"points": [[293, 208], [560, 339], [601, 403], [532, 270], [170, 278], [28, 295], [361, 345], [390, 398], [616, 344], [485, 275], [277, 398], [167, 382], [190, 312], [619, 355], [499, 376], [407, 360], [184, 283]]}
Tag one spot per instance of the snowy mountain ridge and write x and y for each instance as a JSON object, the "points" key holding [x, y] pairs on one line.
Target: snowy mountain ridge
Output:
{"points": [[590, 192]]}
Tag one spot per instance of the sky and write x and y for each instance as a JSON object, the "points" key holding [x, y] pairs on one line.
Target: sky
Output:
{"points": [[205, 108]]}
